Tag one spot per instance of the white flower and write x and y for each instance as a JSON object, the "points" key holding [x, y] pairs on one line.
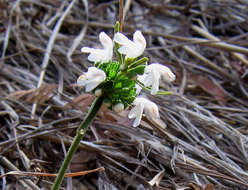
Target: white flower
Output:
{"points": [[100, 55], [131, 49], [152, 75], [143, 104], [91, 79]]}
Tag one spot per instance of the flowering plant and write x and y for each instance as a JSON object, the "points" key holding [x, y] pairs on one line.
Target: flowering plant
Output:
{"points": [[118, 83], [121, 81]]}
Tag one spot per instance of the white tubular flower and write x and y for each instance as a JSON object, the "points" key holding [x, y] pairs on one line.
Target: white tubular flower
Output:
{"points": [[131, 49], [152, 75], [143, 105], [91, 79], [100, 55]]}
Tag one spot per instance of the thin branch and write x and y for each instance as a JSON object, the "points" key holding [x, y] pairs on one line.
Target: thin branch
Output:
{"points": [[121, 4]]}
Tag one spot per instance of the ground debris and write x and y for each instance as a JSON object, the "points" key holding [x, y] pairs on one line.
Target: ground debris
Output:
{"points": [[201, 142]]}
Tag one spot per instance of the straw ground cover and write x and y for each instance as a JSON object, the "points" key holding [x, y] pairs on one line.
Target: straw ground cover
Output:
{"points": [[200, 141]]}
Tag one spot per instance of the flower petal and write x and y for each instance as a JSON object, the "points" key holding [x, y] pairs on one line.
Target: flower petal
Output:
{"points": [[82, 80], [168, 75], [155, 82], [143, 104], [152, 75], [96, 55], [105, 40], [96, 74], [90, 86], [100, 55], [91, 79], [136, 113], [151, 109], [131, 49], [139, 39], [126, 50], [108, 45], [87, 50], [121, 39], [137, 121]]}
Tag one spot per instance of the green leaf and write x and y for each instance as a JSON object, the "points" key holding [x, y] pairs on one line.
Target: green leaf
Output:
{"points": [[133, 72], [142, 61], [129, 61]]}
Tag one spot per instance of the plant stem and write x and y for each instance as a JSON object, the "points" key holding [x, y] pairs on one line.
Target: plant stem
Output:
{"points": [[149, 89], [80, 134], [121, 4], [117, 46]]}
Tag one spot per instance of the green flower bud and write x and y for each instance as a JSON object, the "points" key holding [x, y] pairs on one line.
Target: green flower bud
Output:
{"points": [[118, 107]]}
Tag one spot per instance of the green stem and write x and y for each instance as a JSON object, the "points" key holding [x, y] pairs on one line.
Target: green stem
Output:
{"points": [[117, 46], [80, 134]]}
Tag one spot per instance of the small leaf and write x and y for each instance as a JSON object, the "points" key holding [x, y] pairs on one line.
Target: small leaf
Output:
{"points": [[142, 61], [138, 70], [129, 61]]}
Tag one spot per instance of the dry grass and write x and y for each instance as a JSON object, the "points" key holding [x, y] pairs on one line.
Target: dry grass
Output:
{"points": [[204, 144]]}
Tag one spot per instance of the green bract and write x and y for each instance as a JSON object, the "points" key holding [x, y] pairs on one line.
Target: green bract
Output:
{"points": [[118, 87]]}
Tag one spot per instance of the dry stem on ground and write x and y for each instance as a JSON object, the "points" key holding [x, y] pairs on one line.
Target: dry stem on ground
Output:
{"points": [[204, 144]]}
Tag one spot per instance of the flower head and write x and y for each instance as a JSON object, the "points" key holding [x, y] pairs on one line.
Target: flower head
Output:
{"points": [[91, 79], [143, 105], [152, 75], [100, 55], [131, 49]]}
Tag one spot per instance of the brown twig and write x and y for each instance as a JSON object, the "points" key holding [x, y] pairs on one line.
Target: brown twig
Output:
{"points": [[121, 19], [39, 174]]}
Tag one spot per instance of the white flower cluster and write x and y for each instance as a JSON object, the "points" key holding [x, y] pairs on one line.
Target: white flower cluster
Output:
{"points": [[131, 49]]}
